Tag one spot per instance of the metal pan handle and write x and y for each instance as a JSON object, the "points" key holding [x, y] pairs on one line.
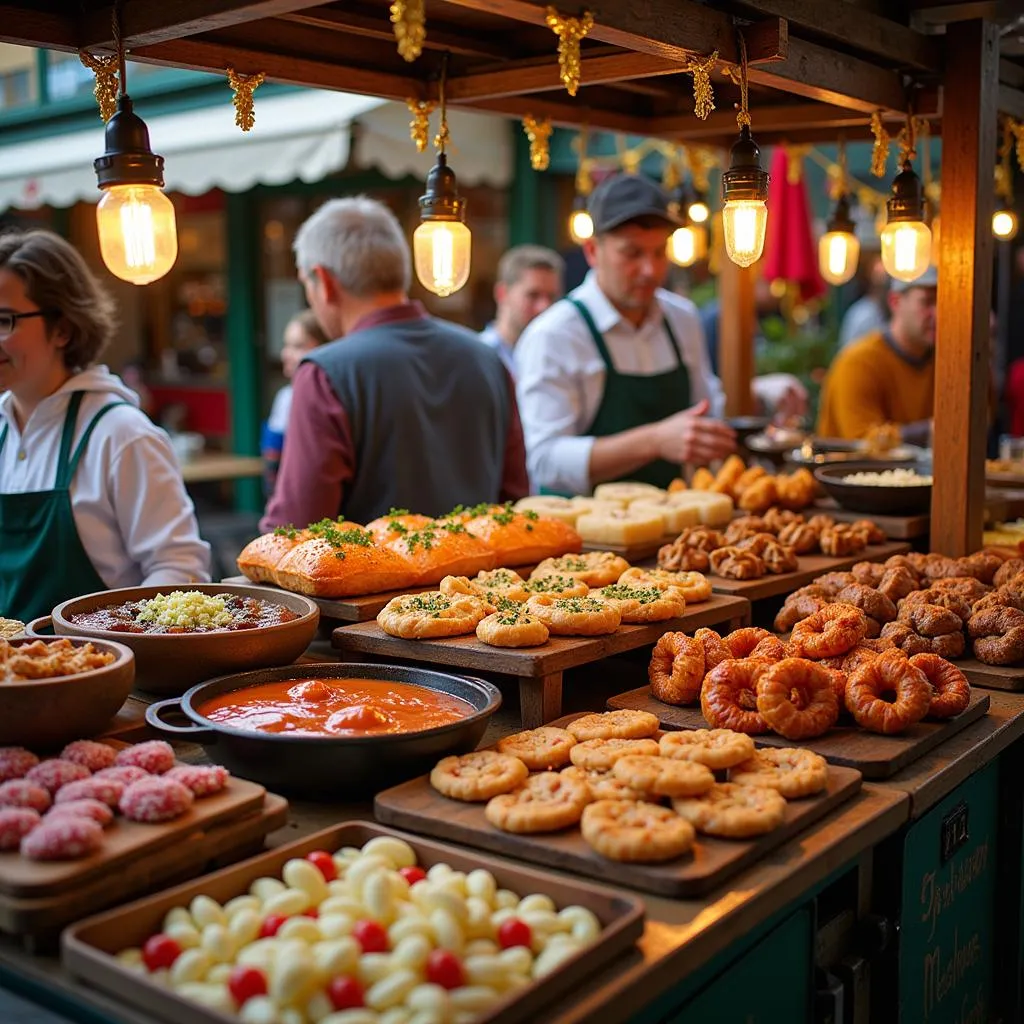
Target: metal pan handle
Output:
{"points": [[35, 627], [154, 717]]}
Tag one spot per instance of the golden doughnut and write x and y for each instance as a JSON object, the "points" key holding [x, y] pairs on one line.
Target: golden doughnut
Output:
{"points": [[715, 648], [728, 697], [998, 635], [742, 641], [676, 671], [871, 602], [896, 583], [890, 672], [814, 686], [834, 630], [951, 693]]}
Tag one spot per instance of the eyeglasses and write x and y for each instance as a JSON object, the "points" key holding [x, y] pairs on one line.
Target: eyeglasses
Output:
{"points": [[8, 321]]}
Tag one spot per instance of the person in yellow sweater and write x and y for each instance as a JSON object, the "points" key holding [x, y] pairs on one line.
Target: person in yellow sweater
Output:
{"points": [[888, 376]]}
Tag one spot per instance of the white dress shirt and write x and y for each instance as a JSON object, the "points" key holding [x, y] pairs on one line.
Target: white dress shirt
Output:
{"points": [[561, 375], [492, 339]]}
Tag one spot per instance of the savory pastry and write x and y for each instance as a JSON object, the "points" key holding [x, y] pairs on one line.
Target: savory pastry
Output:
{"points": [[556, 586], [522, 538], [512, 628], [574, 616], [677, 668], [631, 832], [791, 771], [696, 587], [602, 783], [397, 523], [621, 527], [643, 604], [492, 585], [478, 776], [545, 802], [676, 517], [260, 558], [797, 699], [436, 550], [801, 537], [779, 558], [608, 725], [716, 748], [542, 749], [998, 635], [951, 693], [728, 697], [604, 753], [657, 776], [425, 616], [890, 672], [841, 541], [834, 630], [732, 811], [680, 557], [871, 602], [595, 568], [736, 564], [728, 475], [759, 496]]}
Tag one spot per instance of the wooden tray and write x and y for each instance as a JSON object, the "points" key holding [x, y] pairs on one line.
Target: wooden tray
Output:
{"points": [[558, 654], [811, 566], [873, 755], [895, 527], [417, 806], [88, 947], [633, 553], [200, 851], [126, 843], [992, 677]]}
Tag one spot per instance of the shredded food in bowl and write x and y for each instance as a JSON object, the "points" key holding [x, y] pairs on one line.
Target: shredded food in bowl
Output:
{"points": [[890, 478], [48, 660]]}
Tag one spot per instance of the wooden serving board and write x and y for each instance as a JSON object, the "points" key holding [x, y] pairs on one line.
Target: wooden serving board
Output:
{"points": [[895, 527], [417, 806], [558, 654], [873, 755], [811, 566], [126, 843], [633, 553], [201, 851], [992, 677], [88, 947]]}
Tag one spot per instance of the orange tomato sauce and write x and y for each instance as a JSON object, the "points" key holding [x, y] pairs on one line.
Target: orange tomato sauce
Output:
{"points": [[335, 707]]}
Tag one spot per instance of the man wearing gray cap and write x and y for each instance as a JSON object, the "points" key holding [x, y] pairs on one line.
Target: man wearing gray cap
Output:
{"points": [[614, 380], [887, 378]]}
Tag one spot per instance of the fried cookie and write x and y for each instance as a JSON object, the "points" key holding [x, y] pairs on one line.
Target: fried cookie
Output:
{"points": [[512, 628], [716, 748], [662, 776], [627, 831], [625, 725], [540, 749], [696, 587], [791, 771], [604, 753], [733, 811], [477, 776], [602, 783], [545, 802], [595, 568]]}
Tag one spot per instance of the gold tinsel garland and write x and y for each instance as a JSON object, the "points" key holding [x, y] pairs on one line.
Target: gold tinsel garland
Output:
{"points": [[105, 90], [703, 94], [419, 126], [539, 134], [409, 19], [569, 31], [243, 86], [906, 140]]}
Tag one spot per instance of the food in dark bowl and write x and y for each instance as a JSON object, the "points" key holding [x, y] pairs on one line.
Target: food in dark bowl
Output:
{"points": [[904, 489], [333, 731]]}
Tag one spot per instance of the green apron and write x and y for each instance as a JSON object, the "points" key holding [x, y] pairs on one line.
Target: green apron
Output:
{"points": [[630, 401], [42, 561]]}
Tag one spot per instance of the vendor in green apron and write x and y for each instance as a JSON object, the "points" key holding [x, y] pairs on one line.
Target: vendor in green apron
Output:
{"points": [[91, 496], [614, 381]]}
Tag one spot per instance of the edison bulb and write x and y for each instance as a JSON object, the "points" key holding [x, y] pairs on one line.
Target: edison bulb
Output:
{"points": [[1004, 224], [581, 226], [744, 222], [838, 253], [686, 245], [138, 234], [906, 249], [441, 252], [698, 212]]}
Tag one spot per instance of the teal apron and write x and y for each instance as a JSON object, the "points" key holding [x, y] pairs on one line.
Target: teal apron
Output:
{"points": [[42, 561], [630, 402]]}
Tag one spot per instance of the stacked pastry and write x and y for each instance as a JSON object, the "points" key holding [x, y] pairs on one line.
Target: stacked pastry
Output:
{"points": [[335, 558], [612, 775], [753, 489], [586, 594]]}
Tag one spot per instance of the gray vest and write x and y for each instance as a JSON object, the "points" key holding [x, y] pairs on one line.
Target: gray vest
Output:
{"points": [[428, 407]]}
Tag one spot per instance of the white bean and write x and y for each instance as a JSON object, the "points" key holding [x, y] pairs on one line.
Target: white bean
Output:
{"points": [[260, 1010], [536, 901], [219, 943], [334, 926], [299, 873], [478, 918], [161, 978], [481, 883], [219, 974], [361, 870], [373, 967], [391, 990], [485, 970], [428, 1017], [205, 910], [293, 976], [360, 1016], [378, 897], [455, 883], [216, 997], [499, 917], [481, 947], [454, 905], [240, 903], [518, 959], [319, 1007], [398, 852], [406, 926], [473, 998], [262, 953], [287, 903], [438, 871], [264, 888], [412, 952], [447, 931], [177, 915], [191, 965], [129, 957], [185, 935], [428, 998], [582, 922], [339, 887], [396, 1015], [555, 954], [505, 898], [542, 923], [336, 956], [244, 926], [342, 905], [291, 1015], [302, 928], [399, 886]]}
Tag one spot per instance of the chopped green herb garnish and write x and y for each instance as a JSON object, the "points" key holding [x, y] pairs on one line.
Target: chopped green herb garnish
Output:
{"points": [[399, 512], [434, 603], [330, 531], [580, 604], [511, 618], [288, 531], [552, 584], [623, 592]]}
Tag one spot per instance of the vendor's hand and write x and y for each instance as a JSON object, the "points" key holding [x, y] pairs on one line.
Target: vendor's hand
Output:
{"points": [[781, 395], [691, 436]]}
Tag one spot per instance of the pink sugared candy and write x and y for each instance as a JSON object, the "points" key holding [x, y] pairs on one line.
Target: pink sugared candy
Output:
{"points": [[95, 809], [155, 799], [15, 824], [107, 791], [126, 774], [15, 762], [92, 755], [22, 793], [155, 756], [66, 838], [53, 774], [203, 780]]}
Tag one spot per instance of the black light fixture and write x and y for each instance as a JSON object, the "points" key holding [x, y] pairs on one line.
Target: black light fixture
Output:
{"points": [[744, 201], [906, 239]]}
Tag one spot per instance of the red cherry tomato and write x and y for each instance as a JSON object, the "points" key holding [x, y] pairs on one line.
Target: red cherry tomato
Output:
{"points": [[246, 982], [371, 936], [345, 993], [160, 951], [444, 968], [271, 925], [313, 912], [514, 931], [324, 863], [412, 874]]}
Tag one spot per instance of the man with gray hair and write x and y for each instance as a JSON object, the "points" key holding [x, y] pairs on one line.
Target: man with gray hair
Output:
{"points": [[530, 278], [401, 409]]}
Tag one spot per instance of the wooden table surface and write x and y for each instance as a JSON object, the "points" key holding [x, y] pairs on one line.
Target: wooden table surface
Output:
{"points": [[208, 466]]}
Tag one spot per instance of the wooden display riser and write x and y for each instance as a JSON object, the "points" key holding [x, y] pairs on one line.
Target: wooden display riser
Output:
{"points": [[894, 527], [538, 670], [992, 677], [873, 755]]}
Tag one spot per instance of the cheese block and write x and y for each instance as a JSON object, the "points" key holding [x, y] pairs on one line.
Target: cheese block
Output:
{"points": [[677, 517], [436, 550], [621, 527], [585, 504], [715, 510], [625, 491], [260, 558], [393, 526], [523, 538], [551, 505]]}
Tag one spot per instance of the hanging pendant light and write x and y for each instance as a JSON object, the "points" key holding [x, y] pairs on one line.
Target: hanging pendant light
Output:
{"points": [[135, 219], [1004, 220], [442, 244], [839, 247], [689, 242], [744, 186], [906, 238], [1005, 224], [581, 225], [697, 209]]}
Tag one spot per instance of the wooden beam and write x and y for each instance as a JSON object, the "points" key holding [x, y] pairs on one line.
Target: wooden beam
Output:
{"points": [[541, 75], [565, 114], [790, 115], [145, 22], [1011, 101], [41, 29], [674, 29], [1011, 73], [943, 12], [962, 371], [736, 327]]}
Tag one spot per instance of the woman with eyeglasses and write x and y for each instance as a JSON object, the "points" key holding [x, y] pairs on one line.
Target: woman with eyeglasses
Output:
{"points": [[91, 496]]}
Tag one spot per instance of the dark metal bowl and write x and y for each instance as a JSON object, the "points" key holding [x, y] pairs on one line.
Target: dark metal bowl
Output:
{"points": [[172, 662], [332, 767], [747, 426], [821, 451], [883, 501]]}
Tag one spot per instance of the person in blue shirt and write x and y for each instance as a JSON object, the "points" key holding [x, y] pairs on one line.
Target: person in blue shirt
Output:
{"points": [[530, 278]]}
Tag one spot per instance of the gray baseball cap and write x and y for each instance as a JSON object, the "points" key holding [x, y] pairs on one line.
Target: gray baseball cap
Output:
{"points": [[929, 279], [625, 197]]}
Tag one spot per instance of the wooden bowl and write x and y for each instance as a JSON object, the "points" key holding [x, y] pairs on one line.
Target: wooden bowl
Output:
{"points": [[871, 499], [169, 663], [45, 714]]}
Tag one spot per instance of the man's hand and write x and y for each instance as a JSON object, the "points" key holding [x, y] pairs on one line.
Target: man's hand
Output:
{"points": [[691, 436]]}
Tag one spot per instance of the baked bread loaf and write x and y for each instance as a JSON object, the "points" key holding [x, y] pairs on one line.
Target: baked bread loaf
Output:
{"points": [[522, 538], [397, 523], [260, 558], [436, 550]]}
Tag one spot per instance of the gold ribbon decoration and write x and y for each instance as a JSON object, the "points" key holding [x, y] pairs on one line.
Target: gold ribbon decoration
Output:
{"points": [[880, 149], [243, 86], [1016, 129], [795, 163], [539, 134], [409, 18], [569, 31], [703, 94], [105, 90], [419, 126]]}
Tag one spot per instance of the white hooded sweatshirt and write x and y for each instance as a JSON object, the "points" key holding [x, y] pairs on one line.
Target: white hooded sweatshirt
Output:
{"points": [[134, 518]]}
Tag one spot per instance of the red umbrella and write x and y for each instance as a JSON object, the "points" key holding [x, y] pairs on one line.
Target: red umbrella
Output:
{"points": [[790, 250]]}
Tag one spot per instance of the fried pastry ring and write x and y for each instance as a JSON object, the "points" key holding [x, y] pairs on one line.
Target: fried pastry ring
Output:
{"points": [[951, 692], [423, 616], [791, 771], [732, 811], [716, 748], [643, 604], [595, 568], [954, 602], [696, 587], [813, 685], [771, 648], [574, 616], [836, 629], [715, 648], [930, 620], [799, 606], [1010, 569], [998, 635], [741, 642], [512, 629], [728, 697], [677, 669], [868, 573], [896, 583], [901, 635], [872, 603], [736, 564], [556, 586], [631, 832], [890, 672]]}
